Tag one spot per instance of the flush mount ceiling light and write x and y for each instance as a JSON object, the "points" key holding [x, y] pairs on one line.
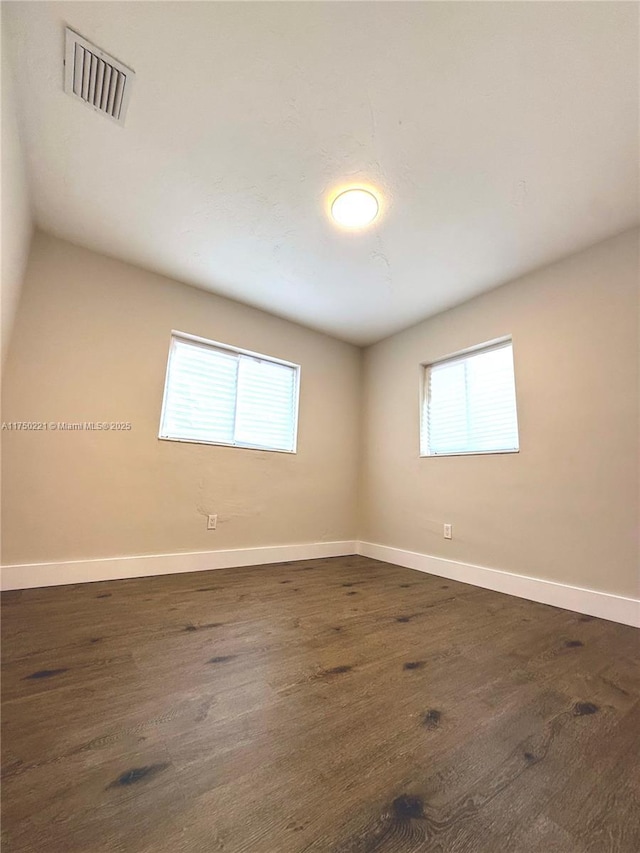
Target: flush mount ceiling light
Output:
{"points": [[355, 208]]}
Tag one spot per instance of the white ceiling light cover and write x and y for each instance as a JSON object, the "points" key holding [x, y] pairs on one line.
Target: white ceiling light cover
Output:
{"points": [[355, 208]]}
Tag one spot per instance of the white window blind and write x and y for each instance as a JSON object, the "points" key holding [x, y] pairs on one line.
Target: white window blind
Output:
{"points": [[218, 395], [469, 404]]}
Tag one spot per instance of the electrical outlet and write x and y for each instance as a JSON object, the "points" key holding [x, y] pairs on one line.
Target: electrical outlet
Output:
{"points": [[212, 522], [447, 531]]}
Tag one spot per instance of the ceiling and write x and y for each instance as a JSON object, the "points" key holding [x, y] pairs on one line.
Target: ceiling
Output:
{"points": [[501, 136]]}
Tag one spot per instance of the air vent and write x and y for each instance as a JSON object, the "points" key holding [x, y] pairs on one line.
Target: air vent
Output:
{"points": [[90, 74]]}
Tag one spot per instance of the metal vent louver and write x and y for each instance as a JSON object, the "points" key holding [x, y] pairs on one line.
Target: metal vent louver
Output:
{"points": [[97, 79]]}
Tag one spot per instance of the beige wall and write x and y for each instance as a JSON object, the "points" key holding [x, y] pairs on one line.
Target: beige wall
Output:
{"points": [[90, 344], [566, 507], [16, 213]]}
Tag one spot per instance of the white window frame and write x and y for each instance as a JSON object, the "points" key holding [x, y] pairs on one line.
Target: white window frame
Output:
{"points": [[461, 355], [209, 344]]}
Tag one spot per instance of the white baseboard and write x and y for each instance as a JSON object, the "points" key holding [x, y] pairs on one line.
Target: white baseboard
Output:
{"points": [[605, 605], [31, 575]]}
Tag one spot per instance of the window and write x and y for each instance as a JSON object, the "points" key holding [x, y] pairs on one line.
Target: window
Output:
{"points": [[216, 394], [469, 403]]}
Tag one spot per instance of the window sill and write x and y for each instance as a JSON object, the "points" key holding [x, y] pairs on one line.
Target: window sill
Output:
{"points": [[225, 444], [468, 453]]}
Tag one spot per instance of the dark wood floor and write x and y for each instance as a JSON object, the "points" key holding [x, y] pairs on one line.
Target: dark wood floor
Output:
{"points": [[340, 705]]}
